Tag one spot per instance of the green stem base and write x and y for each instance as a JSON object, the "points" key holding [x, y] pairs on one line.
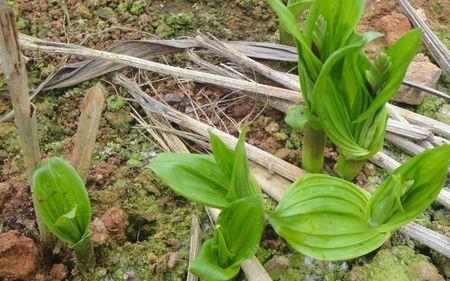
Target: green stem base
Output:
{"points": [[85, 256], [313, 149], [348, 169]]}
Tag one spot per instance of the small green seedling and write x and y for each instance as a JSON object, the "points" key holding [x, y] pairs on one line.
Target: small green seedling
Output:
{"points": [[331, 219], [345, 92], [220, 181], [62, 202]]}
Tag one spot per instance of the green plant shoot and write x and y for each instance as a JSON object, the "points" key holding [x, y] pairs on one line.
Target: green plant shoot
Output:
{"points": [[222, 181], [344, 91], [62, 201], [331, 219]]}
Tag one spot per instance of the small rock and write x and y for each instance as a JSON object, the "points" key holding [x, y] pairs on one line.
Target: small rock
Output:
{"points": [[172, 261], [99, 232], [4, 191], [115, 221], [423, 72], [18, 256], [59, 271]]}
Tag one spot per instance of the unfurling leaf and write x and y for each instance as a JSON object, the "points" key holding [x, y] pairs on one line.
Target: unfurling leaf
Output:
{"points": [[325, 218], [62, 201], [236, 239], [410, 189]]}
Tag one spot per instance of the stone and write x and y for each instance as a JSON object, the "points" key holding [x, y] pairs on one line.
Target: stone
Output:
{"points": [[423, 72], [59, 272], [18, 256], [115, 221]]}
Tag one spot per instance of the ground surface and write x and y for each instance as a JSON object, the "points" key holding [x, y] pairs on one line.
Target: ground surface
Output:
{"points": [[147, 226]]}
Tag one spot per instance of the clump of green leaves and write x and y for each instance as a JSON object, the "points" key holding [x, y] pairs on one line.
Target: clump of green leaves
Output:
{"points": [[61, 199], [331, 219], [344, 91], [320, 216], [221, 181]]}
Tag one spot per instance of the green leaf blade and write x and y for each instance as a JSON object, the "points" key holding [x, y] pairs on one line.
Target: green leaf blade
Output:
{"points": [[62, 201], [195, 177], [325, 218]]}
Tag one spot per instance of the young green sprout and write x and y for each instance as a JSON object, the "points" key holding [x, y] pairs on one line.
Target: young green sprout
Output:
{"points": [[331, 219], [220, 181], [62, 202], [344, 91]]}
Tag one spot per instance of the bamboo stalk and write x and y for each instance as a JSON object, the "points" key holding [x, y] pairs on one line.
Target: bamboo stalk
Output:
{"points": [[196, 242], [25, 112], [86, 134]]}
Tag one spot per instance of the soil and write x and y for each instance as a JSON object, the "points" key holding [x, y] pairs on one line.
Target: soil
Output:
{"points": [[140, 227]]}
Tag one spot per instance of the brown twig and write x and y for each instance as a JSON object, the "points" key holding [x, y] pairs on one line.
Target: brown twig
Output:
{"points": [[87, 130]]}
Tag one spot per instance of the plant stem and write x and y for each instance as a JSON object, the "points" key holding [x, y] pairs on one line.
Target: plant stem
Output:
{"points": [[348, 169], [313, 149], [286, 38], [25, 112], [85, 256]]}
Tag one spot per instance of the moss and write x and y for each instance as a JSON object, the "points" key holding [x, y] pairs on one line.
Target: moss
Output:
{"points": [[398, 263], [430, 106], [137, 7], [115, 103], [300, 267]]}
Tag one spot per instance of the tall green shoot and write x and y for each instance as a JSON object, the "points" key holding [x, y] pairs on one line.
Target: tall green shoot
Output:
{"points": [[344, 91]]}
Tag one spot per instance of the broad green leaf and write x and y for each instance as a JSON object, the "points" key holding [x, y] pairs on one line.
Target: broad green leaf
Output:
{"points": [[242, 183], [195, 177], [298, 116], [410, 189], [62, 201], [237, 238], [401, 54], [325, 218]]}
